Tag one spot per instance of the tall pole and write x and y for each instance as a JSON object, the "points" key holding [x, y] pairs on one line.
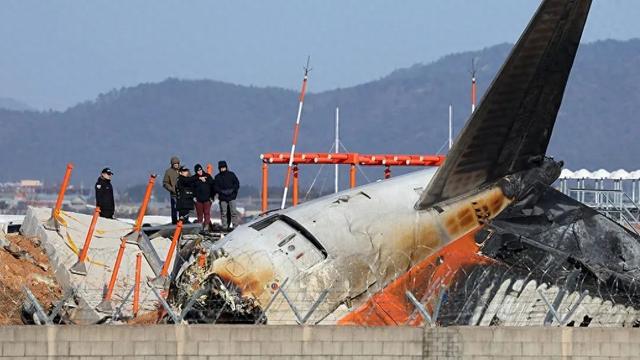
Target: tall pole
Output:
{"points": [[473, 85], [450, 126], [295, 185], [337, 149], [352, 176], [295, 135], [265, 187]]}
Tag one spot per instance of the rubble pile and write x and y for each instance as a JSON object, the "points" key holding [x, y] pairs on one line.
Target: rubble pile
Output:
{"points": [[24, 263]]}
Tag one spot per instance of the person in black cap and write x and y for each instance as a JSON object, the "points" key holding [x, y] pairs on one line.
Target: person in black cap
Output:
{"points": [[204, 192], [104, 194], [226, 186], [184, 194]]}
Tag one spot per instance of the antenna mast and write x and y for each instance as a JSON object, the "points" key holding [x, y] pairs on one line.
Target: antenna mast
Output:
{"points": [[295, 133], [450, 126], [473, 85], [337, 148]]}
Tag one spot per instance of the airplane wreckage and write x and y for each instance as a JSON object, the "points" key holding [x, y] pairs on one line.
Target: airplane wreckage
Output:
{"points": [[482, 240], [488, 230]]}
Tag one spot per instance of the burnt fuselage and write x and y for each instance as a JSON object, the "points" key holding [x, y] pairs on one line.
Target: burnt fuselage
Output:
{"points": [[348, 244]]}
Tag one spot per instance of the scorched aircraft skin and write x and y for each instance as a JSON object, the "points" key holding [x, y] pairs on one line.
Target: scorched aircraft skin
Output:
{"points": [[353, 242], [375, 241]]}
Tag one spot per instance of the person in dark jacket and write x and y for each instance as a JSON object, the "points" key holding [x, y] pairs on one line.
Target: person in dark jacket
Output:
{"points": [[204, 192], [104, 194], [184, 194], [226, 186], [169, 183]]}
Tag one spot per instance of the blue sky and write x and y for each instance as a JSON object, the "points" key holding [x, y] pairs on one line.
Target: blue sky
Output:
{"points": [[54, 54]]}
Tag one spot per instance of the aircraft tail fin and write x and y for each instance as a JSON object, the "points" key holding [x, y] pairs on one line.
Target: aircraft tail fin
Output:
{"points": [[511, 128]]}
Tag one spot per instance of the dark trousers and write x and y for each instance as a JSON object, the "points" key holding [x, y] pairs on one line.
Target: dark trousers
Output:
{"points": [[203, 212], [229, 214], [174, 211]]}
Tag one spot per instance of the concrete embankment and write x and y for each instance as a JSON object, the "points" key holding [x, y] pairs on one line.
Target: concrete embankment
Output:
{"points": [[62, 249], [297, 342]]}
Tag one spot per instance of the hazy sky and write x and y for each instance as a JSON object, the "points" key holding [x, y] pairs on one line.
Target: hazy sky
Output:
{"points": [[54, 54]]}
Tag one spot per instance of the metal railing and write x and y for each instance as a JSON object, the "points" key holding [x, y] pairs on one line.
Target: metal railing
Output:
{"points": [[615, 204]]}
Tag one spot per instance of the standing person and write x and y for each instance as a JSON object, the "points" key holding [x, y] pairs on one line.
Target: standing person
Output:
{"points": [[104, 194], [169, 183], [226, 186], [184, 194], [204, 191]]}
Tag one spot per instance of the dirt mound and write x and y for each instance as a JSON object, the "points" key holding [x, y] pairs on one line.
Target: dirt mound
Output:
{"points": [[24, 263], [148, 318]]}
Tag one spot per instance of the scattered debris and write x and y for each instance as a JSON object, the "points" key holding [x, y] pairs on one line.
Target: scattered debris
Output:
{"points": [[24, 263], [15, 251]]}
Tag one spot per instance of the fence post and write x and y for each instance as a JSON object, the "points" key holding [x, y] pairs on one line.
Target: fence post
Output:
{"points": [[80, 267], [52, 223], [105, 306], [134, 235], [162, 281], [136, 286]]}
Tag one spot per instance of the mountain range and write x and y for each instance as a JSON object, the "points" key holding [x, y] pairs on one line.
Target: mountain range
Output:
{"points": [[13, 104], [135, 130]]}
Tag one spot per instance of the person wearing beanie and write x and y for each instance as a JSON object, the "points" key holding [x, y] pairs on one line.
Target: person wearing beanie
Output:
{"points": [[169, 183], [184, 194], [204, 192], [104, 194], [226, 186]]}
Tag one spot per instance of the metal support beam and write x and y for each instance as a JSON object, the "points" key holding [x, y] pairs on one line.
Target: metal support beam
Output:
{"points": [[562, 321], [42, 316], [430, 319], [150, 253], [421, 309], [179, 319], [165, 305], [116, 314]]}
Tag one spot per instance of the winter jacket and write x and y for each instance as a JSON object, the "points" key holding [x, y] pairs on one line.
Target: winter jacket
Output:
{"points": [[185, 193], [104, 196], [226, 185], [170, 180], [204, 190]]}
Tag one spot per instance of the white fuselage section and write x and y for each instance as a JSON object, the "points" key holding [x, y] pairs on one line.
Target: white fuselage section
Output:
{"points": [[350, 243]]}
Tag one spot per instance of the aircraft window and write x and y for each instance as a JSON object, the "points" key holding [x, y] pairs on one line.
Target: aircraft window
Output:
{"points": [[263, 224]]}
